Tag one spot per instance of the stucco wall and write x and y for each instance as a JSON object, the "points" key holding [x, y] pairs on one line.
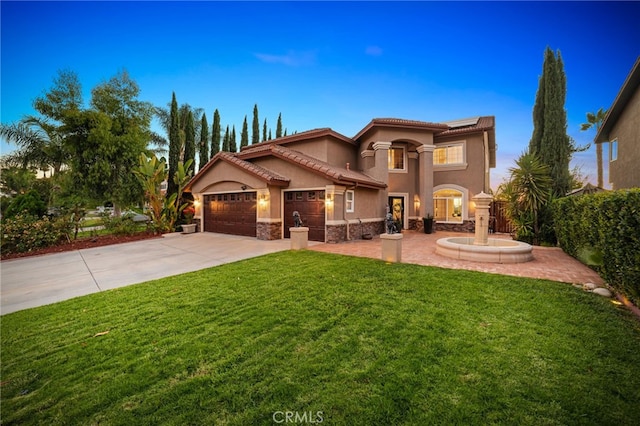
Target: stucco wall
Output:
{"points": [[234, 179], [330, 150], [624, 172]]}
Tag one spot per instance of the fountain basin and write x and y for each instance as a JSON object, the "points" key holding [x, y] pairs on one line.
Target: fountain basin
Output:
{"points": [[497, 250]]}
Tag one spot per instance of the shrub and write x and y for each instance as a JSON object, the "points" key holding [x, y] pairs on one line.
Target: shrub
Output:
{"points": [[120, 225], [602, 230], [30, 202], [23, 233]]}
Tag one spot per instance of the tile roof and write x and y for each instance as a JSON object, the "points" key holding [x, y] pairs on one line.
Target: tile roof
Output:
{"points": [[398, 122], [306, 135], [340, 175], [260, 172]]}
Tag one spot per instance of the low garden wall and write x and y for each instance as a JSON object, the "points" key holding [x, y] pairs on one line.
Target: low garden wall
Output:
{"points": [[603, 231]]}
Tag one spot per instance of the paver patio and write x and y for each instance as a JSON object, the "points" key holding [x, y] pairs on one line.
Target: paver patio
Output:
{"points": [[418, 248]]}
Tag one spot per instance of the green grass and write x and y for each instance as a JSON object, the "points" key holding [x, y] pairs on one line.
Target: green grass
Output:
{"points": [[361, 341]]}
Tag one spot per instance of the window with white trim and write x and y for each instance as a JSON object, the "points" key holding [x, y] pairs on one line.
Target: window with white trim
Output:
{"points": [[613, 150], [397, 158], [447, 205], [449, 154], [349, 200]]}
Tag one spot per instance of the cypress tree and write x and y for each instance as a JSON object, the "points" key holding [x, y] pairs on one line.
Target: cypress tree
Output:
{"points": [[232, 140], [215, 134], [264, 130], [175, 145], [189, 141], [550, 142], [203, 153], [255, 136], [279, 126], [225, 140], [269, 134], [244, 136], [285, 132]]}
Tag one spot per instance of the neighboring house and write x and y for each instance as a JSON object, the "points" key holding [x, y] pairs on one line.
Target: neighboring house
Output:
{"points": [[621, 128], [342, 186]]}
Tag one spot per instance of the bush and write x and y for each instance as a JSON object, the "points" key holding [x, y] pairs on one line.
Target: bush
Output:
{"points": [[602, 230], [31, 203], [23, 233], [120, 225]]}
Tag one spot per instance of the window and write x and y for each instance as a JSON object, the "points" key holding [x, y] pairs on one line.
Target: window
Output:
{"points": [[613, 150], [349, 197], [449, 154], [447, 204], [396, 158], [311, 195]]}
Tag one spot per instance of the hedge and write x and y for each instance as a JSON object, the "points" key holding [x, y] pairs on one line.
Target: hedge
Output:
{"points": [[24, 233], [603, 230]]}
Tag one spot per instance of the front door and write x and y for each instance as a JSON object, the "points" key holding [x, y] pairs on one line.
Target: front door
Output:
{"points": [[396, 204]]}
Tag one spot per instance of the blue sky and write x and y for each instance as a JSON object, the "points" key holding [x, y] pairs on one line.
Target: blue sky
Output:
{"points": [[330, 64]]}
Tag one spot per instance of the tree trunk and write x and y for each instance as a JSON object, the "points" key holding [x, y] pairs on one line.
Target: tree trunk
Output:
{"points": [[599, 161]]}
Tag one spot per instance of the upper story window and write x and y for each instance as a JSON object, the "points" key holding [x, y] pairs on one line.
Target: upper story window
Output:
{"points": [[613, 150], [450, 154], [349, 198], [397, 155]]}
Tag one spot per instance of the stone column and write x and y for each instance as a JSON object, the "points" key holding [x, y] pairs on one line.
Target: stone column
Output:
{"points": [[381, 168], [425, 180], [299, 237], [391, 247], [483, 202]]}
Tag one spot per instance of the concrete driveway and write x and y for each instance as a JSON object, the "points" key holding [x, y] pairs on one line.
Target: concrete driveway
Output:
{"points": [[41, 280]]}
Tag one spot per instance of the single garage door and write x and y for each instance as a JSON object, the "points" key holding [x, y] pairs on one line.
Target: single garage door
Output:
{"points": [[233, 214], [310, 205]]}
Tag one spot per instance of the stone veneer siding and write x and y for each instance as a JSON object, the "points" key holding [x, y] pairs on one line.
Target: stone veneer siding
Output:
{"points": [[465, 226], [268, 231], [336, 233], [357, 230]]}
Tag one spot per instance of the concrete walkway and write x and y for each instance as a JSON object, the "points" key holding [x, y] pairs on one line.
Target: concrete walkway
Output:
{"points": [[41, 280]]}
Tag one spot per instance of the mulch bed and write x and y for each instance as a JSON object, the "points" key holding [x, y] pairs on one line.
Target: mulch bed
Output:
{"points": [[83, 243]]}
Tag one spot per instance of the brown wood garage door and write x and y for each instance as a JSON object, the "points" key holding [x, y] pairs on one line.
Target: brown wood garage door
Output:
{"points": [[233, 214], [310, 205]]}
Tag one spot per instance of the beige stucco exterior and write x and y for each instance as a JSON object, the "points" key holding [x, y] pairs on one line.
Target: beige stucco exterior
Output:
{"points": [[621, 128], [325, 160]]}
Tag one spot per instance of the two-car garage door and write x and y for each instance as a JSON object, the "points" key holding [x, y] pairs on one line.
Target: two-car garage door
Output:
{"points": [[233, 213]]}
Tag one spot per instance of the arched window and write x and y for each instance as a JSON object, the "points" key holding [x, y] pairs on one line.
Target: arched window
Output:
{"points": [[448, 205]]}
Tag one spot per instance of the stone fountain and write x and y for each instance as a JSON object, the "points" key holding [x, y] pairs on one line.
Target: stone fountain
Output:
{"points": [[481, 248]]}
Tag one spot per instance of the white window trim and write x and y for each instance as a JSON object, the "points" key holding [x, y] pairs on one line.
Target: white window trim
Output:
{"points": [[465, 200], [404, 159], [454, 166], [352, 201], [612, 144]]}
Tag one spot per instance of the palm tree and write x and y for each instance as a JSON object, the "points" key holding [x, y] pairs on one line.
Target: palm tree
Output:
{"points": [[595, 120], [40, 144], [528, 191]]}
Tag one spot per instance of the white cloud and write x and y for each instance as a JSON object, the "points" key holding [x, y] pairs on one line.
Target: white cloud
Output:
{"points": [[291, 58], [373, 51]]}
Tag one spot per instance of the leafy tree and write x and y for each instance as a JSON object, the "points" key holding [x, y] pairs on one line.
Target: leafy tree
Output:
{"points": [[203, 145], [175, 145], [232, 140], [106, 141], [550, 142], [279, 127], [16, 180], [225, 141], [255, 137], [215, 134], [264, 130], [189, 140], [244, 136], [65, 96], [595, 120]]}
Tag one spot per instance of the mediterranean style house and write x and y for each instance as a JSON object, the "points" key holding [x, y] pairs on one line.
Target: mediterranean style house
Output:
{"points": [[342, 187], [621, 128]]}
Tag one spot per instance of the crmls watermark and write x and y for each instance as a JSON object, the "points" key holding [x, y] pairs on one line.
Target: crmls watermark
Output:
{"points": [[297, 417]]}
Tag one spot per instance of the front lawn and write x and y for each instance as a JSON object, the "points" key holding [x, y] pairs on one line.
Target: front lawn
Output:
{"points": [[338, 339]]}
